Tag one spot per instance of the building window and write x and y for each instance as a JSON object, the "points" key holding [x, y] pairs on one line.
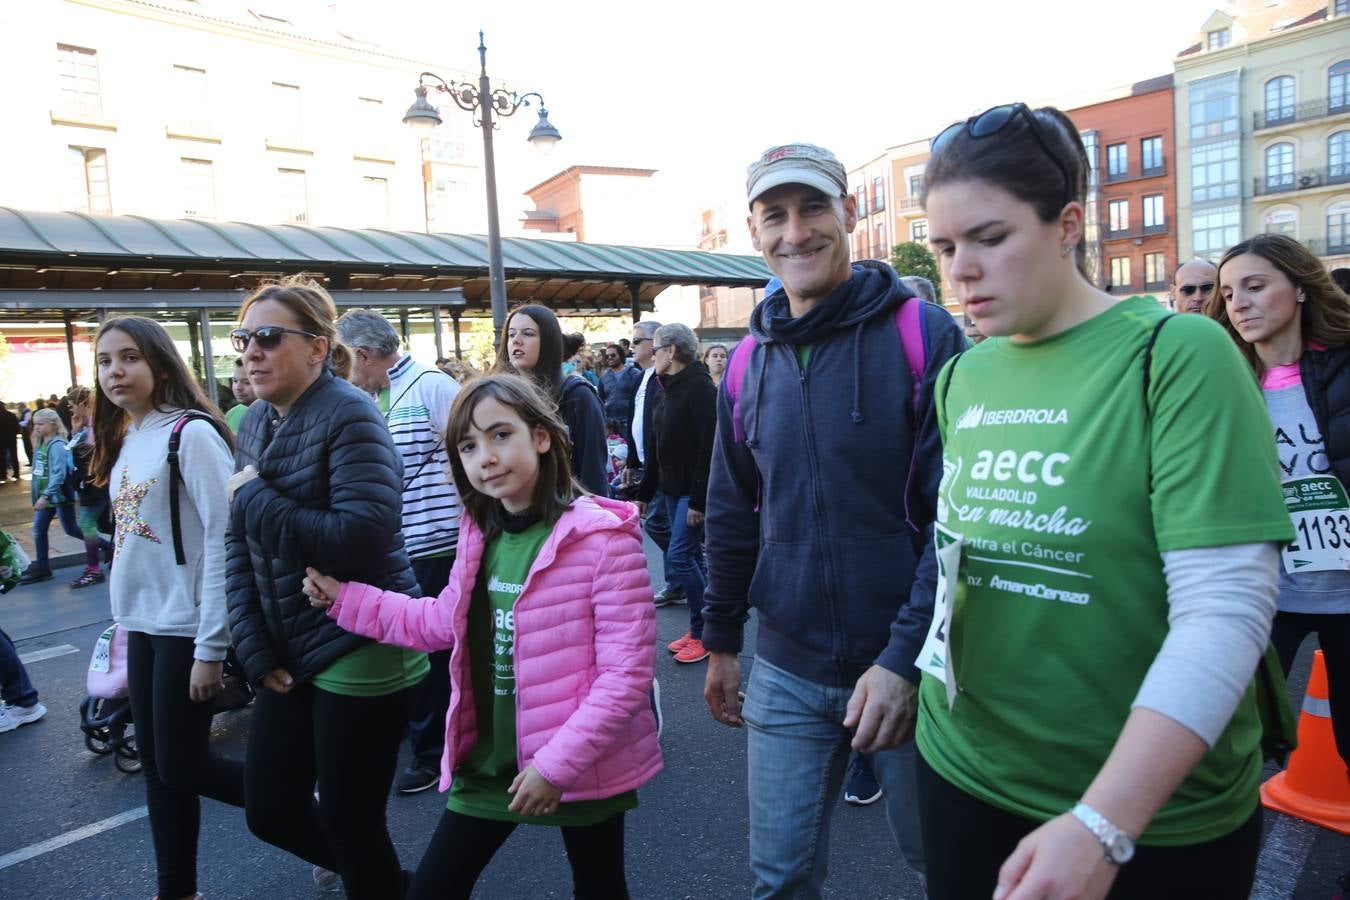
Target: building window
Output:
{"points": [[1213, 104], [1155, 270], [1117, 161], [1120, 273], [878, 194], [1215, 230], [375, 200], [1151, 155], [1214, 172], [862, 200], [1280, 167], [449, 195], [883, 252], [1338, 86], [1155, 220], [1091, 141], [915, 186], [1338, 228], [198, 180], [1118, 212], [77, 76], [88, 189], [1282, 221], [443, 147], [1338, 157], [293, 195], [370, 119], [190, 108], [1217, 39], [918, 230], [1341, 8], [1280, 100], [285, 124]]}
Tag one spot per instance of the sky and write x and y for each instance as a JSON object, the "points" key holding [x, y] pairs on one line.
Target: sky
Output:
{"points": [[698, 90]]}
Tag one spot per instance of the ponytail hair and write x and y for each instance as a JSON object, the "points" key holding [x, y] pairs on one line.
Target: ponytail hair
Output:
{"points": [[175, 388]]}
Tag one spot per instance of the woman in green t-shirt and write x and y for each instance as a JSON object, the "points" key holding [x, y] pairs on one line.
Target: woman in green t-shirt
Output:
{"points": [[1107, 588]]}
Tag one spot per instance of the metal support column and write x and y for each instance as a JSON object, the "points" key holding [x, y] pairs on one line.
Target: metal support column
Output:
{"points": [[70, 346], [635, 295], [208, 359], [459, 354], [195, 363], [403, 329], [436, 323]]}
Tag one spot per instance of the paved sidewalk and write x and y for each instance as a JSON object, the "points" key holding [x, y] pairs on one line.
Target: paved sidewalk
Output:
{"points": [[16, 517]]}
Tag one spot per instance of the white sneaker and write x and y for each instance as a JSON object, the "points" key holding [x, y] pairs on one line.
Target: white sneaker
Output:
{"points": [[11, 717], [327, 881]]}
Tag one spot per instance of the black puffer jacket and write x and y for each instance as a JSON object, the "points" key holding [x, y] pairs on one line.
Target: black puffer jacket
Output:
{"points": [[1326, 384], [327, 495]]}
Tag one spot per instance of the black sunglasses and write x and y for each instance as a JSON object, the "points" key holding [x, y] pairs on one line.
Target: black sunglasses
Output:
{"points": [[637, 341], [1187, 289], [994, 121], [268, 337]]}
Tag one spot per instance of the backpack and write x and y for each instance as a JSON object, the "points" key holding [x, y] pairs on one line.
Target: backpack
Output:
{"points": [[176, 478], [912, 329]]}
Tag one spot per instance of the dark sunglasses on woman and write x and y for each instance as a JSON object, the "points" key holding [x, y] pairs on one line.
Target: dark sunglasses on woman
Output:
{"points": [[268, 337]]}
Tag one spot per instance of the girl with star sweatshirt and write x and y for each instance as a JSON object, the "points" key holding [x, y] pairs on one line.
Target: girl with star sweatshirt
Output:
{"points": [[174, 613]]}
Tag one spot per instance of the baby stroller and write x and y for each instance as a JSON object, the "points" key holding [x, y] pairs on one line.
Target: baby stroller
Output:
{"points": [[106, 712]]}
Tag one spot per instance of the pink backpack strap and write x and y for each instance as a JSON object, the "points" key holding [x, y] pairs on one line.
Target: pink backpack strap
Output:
{"points": [[734, 378], [910, 323]]}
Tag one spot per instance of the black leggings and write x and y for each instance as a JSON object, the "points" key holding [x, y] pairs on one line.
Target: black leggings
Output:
{"points": [[463, 845], [966, 842], [1333, 634], [349, 747], [173, 736]]}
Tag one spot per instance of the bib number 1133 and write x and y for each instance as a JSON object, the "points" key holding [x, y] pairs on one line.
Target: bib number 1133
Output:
{"points": [[1321, 518]]}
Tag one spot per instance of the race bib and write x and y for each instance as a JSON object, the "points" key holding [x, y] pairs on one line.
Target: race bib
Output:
{"points": [[1321, 516], [934, 657], [102, 660]]}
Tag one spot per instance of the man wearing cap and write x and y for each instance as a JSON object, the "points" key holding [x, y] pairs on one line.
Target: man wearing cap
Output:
{"points": [[820, 507], [1193, 284]]}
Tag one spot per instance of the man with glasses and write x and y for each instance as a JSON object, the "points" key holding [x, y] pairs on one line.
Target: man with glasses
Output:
{"points": [[820, 507], [641, 446], [617, 384], [1193, 285]]}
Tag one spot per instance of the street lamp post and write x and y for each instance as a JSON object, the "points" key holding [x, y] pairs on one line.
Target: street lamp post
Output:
{"points": [[486, 102]]}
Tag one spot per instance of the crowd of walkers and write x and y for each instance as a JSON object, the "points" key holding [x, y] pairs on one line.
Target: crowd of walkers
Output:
{"points": [[1030, 582]]}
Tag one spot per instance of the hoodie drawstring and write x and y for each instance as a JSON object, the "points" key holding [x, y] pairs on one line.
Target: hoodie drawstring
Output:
{"points": [[752, 442], [857, 374]]}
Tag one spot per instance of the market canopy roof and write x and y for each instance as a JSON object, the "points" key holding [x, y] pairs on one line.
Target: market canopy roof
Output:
{"points": [[44, 255]]}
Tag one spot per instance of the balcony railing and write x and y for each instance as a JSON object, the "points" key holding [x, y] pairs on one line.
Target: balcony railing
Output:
{"points": [[1117, 178], [1306, 111], [909, 204], [1323, 247], [1302, 180], [1132, 234]]}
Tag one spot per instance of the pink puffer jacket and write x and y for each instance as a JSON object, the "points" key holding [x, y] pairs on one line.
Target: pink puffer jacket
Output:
{"points": [[585, 650]]}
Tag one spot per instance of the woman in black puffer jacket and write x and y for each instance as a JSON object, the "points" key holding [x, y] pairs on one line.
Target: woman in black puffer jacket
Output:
{"points": [[319, 485]]}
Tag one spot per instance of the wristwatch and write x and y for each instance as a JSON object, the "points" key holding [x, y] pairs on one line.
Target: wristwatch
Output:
{"points": [[1118, 845]]}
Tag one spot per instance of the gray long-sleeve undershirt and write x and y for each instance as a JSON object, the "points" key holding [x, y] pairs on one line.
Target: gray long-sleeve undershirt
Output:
{"points": [[1222, 601]]}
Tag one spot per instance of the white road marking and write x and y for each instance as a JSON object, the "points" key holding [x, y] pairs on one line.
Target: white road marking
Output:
{"points": [[47, 653], [61, 840], [1282, 858]]}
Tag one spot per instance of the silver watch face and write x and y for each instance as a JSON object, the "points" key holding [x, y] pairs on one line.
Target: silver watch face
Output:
{"points": [[1120, 849]]}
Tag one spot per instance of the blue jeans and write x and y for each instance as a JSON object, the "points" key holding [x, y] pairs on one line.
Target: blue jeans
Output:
{"points": [[15, 688], [797, 752], [42, 520], [657, 526], [684, 558]]}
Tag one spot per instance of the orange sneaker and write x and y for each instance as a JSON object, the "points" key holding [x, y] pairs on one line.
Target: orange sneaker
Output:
{"points": [[692, 652], [677, 645]]}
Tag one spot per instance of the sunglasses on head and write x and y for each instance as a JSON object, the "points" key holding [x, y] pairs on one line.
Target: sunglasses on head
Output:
{"points": [[1187, 289], [995, 121], [267, 337]]}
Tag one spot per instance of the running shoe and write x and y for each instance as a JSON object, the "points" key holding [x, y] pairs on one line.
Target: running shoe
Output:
{"points": [[656, 707], [692, 652], [88, 578], [862, 788], [327, 881], [677, 645], [417, 779], [671, 593], [11, 717], [35, 573]]}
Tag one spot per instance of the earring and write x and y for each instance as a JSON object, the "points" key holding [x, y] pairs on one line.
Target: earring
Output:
{"points": [[1301, 296], [1068, 248]]}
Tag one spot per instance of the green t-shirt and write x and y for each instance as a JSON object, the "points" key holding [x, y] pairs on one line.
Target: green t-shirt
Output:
{"points": [[373, 671], [480, 784], [1060, 604], [235, 415], [804, 354]]}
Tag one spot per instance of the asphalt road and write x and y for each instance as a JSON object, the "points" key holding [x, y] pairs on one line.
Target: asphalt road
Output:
{"points": [[687, 839]]}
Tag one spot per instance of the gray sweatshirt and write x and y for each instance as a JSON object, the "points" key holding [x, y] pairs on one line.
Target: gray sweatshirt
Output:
{"points": [[150, 592]]}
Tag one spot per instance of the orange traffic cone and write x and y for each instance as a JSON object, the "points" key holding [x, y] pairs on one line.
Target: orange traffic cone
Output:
{"points": [[1316, 785]]}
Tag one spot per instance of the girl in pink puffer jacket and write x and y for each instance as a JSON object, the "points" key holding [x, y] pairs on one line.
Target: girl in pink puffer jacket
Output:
{"points": [[552, 632]]}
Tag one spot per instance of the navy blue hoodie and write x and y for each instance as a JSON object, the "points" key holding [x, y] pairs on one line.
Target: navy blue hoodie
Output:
{"points": [[806, 517]]}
